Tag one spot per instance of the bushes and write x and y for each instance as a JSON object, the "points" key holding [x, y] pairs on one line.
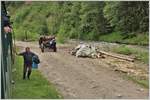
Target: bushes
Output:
{"points": [[139, 39], [112, 37], [61, 38], [25, 35], [62, 34]]}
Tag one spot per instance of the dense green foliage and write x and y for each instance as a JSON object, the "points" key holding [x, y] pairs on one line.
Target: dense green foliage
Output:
{"points": [[79, 20], [128, 16], [36, 87]]}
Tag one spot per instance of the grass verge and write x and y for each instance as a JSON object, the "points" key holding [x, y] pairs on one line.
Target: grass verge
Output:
{"points": [[142, 56], [112, 37], [142, 82], [117, 37], [35, 88]]}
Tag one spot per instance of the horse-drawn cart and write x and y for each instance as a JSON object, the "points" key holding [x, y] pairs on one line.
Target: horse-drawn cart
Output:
{"points": [[47, 42]]}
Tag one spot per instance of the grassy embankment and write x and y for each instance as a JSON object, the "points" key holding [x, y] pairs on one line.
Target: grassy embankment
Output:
{"points": [[136, 39], [142, 82], [37, 87], [140, 55], [140, 39]]}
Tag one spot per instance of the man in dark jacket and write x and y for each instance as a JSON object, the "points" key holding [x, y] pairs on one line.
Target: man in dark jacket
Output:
{"points": [[27, 56]]}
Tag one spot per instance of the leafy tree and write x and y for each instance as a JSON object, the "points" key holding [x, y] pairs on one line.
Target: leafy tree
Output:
{"points": [[127, 16]]}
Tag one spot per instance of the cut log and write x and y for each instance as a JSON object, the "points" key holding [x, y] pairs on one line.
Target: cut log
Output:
{"points": [[116, 56]]}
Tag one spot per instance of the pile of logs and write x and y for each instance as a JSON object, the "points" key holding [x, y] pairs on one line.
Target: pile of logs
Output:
{"points": [[115, 56], [102, 54]]}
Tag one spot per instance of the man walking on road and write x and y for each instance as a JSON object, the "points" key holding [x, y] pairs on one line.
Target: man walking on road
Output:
{"points": [[27, 55]]}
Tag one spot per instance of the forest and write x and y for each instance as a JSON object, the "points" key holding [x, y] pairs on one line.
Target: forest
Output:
{"points": [[111, 21]]}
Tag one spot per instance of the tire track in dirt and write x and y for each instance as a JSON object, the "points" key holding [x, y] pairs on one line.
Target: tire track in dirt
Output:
{"points": [[84, 78]]}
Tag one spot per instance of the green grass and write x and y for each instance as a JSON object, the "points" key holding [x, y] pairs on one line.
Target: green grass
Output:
{"points": [[37, 87], [142, 56], [113, 37], [123, 50], [141, 82], [138, 39]]}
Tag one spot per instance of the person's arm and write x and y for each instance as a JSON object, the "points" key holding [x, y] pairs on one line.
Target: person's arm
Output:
{"points": [[20, 54]]}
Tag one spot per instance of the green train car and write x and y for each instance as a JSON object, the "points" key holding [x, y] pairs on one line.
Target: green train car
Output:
{"points": [[6, 57]]}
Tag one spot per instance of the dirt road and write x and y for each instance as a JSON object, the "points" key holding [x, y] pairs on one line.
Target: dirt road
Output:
{"points": [[84, 77]]}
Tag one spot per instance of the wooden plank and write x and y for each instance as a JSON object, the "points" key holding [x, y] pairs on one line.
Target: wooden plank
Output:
{"points": [[116, 56]]}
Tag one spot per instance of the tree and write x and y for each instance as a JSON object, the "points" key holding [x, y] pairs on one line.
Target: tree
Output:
{"points": [[93, 22], [127, 16]]}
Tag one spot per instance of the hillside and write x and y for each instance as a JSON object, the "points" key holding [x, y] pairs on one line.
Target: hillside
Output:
{"points": [[125, 22]]}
